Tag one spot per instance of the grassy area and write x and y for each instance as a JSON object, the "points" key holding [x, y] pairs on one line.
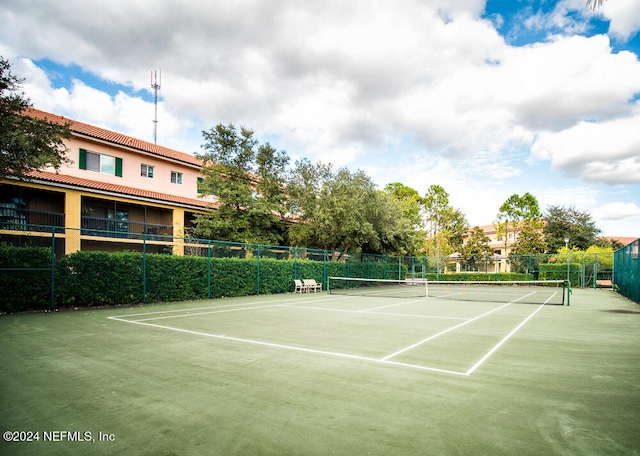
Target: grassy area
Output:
{"points": [[249, 376]]}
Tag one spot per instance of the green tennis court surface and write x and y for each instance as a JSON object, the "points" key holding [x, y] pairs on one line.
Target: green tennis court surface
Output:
{"points": [[325, 374]]}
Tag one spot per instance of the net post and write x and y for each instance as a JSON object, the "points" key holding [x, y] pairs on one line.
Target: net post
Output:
{"points": [[568, 284]]}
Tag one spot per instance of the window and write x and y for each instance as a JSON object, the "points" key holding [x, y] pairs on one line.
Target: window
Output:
{"points": [[99, 163], [200, 185], [176, 178], [146, 171]]}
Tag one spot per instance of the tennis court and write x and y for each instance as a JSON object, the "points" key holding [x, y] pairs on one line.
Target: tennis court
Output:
{"points": [[321, 373]]}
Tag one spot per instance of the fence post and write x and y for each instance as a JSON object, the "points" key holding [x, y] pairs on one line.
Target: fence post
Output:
{"points": [[53, 266], [324, 268], [144, 268], [258, 273], [209, 269]]}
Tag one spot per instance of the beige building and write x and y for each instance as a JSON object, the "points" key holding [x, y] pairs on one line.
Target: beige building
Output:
{"points": [[501, 246], [116, 193]]}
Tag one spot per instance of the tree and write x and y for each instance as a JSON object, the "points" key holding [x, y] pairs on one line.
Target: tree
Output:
{"points": [[26, 143], [567, 222], [342, 210], [513, 212], [476, 249], [445, 224], [411, 205], [248, 181], [531, 240]]}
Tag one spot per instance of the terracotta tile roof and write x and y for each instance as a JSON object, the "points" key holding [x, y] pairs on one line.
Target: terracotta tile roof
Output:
{"points": [[624, 240], [116, 138], [118, 189]]}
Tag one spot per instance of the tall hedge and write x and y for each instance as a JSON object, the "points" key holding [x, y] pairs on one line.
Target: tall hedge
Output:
{"points": [[23, 288], [86, 278]]}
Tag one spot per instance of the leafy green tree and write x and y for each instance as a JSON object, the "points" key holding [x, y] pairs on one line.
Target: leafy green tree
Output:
{"points": [[476, 249], [248, 181], [567, 222], [445, 224], [531, 240], [411, 205], [26, 143], [513, 212], [342, 210]]}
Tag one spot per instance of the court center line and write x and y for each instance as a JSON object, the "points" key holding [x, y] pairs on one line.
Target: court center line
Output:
{"points": [[424, 341], [507, 337], [486, 356]]}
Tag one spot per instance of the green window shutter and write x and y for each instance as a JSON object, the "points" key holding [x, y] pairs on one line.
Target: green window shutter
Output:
{"points": [[83, 159], [118, 167]]}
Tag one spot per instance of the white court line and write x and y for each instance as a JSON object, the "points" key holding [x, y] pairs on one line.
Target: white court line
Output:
{"points": [[217, 306], [393, 305], [417, 344], [290, 347], [385, 360], [507, 337], [328, 309], [164, 317]]}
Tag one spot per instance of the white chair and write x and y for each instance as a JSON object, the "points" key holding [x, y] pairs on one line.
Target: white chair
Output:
{"points": [[311, 284], [300, 287]]}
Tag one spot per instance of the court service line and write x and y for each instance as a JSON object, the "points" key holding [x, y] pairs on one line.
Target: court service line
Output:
{"points": [[391, 314], [392, 305], [424, 341], [164, 317], [217, 306], [291, 347]]}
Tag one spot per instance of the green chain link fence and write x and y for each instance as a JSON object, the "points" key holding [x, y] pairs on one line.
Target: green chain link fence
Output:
{"points": [[626, 277], [140, 268]]}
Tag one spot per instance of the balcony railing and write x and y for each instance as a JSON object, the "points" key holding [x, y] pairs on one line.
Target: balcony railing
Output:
{"points": [[124, 229], [29, 220]]}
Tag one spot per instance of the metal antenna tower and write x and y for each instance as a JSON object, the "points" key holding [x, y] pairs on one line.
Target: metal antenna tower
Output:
{"points": [[155, 85]]}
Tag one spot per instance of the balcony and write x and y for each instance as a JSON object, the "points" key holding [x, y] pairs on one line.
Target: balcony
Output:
{"points": [[125, 229], [14, 218]]}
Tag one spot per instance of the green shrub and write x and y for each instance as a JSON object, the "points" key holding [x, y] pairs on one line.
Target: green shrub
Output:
{"points": [[23, 289]]}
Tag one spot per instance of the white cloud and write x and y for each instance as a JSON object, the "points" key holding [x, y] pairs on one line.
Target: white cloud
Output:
{"points": [[429, 85], [624, 17], [617, 211], [606, 152]]}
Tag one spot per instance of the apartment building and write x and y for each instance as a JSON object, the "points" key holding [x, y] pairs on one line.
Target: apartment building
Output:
{"points": [[501, 246], [117, 193]]}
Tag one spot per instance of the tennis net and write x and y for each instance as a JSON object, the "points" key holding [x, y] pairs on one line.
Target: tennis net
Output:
{"points": [[378, 287], [530, 292]]}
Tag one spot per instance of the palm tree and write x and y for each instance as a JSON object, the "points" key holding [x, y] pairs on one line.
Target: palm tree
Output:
{"points": [[593, 4]]}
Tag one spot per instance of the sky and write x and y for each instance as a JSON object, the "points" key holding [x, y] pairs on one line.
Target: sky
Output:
{"points": [[487, 98]]}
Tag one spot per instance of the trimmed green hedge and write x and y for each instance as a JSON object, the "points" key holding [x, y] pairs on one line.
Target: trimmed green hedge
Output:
{"points": [[478, 276], [88, 279], [23, 289], [558, 271]]}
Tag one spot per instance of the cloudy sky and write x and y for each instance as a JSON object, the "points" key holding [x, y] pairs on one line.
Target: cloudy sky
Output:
{"points": [[486, 98]]}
